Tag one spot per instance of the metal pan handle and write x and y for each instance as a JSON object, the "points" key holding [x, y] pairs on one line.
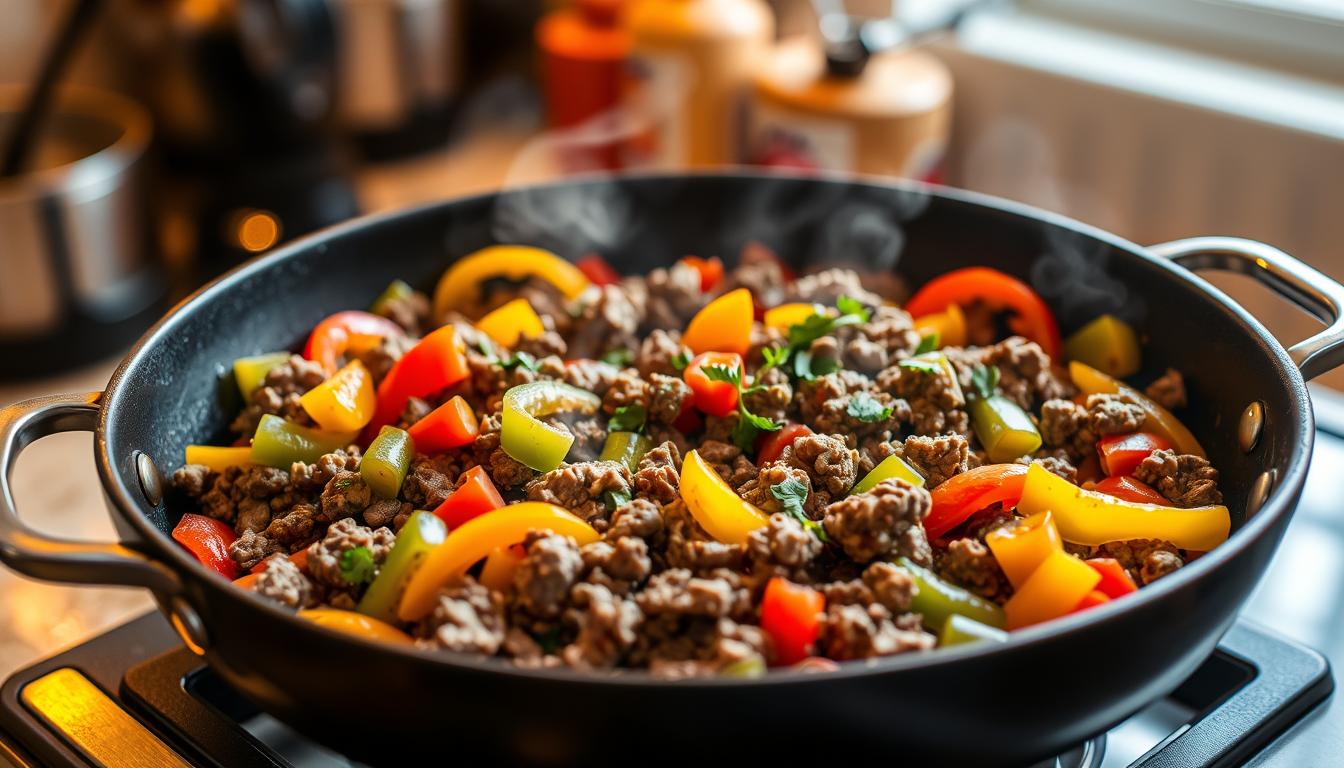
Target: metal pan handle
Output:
{"points": [[45, 557], [1311, 290]]}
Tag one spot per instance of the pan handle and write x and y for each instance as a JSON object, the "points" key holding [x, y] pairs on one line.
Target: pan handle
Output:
{"points": [[44, 557], [1311, 290]]}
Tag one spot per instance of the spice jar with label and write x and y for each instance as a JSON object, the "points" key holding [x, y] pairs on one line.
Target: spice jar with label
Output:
{"points": [[584, 53]]}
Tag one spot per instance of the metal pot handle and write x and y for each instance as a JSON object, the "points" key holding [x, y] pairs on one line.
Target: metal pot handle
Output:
{"points": [[44, 557], [1311, 290]]}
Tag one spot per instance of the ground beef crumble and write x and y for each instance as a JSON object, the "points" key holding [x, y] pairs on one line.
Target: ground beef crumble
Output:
{"points": [[1189, 481], [884, 522]]}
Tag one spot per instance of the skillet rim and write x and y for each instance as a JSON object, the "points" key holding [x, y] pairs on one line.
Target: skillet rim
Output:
{"points": [[156, 543]]}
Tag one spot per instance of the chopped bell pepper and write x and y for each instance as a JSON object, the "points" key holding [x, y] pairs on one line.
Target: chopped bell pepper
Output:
{"points": [[299, 559], [208, 539], [250, 372], [747, 667], [716, 398], [343, 331], [1108, 344], [1030, 315], [711, 270], [769, 445], [936, 599], [474, 496], [969, 492], [1122, 454], [462, 281], [345, 401], [451, 425], [1020, 548], [386, 462], [1053, 589], [723, 325], [479, 537], [356, 624], [1115, 580], [511, 322], [598, 270], [497, 573], [417, 538], [279, 443], [217, 457], [626, 448], [1091, 518], [1157, 419], [959, 630], [892, 466], [949, 326], [247, 581], [783, 316], [716, 507], [397, 290], [1130, 489], [435, 363], [1092, 600], [1004, 429], [522, 433], [791, 616]]}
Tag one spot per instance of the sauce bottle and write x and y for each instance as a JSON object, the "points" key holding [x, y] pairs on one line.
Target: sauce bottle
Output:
{"points": [[584, 52]]}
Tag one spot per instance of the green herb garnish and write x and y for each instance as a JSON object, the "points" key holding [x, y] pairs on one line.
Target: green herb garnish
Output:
{"points": [[681, 360], [801, 335], [985, 380], [618, 357], [357, 566], [748, 423], [616, 499], [521, 359], [792, 495], [867, 409], [927, 343], [923, 365], [628, 418]]}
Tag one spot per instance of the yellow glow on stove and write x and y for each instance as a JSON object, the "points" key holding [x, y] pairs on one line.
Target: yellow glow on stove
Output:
{"points": [[257, 230]]}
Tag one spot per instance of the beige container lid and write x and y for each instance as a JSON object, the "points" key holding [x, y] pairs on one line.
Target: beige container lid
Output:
{"points": [[893, 84]]}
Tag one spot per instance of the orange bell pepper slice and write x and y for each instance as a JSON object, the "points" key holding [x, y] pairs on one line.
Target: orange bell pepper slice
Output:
{"points": [[1157, 419], [1054, 589], [356, 624], [791, 615], [723, 325], [1021, 548], [782, 317], [716, 507], [497, 573], [510, 322], [342, 331], [949, 326], [1031, 318], [1092, 600], [969, 492], [345, 401], [436, 363], [451, 425]]}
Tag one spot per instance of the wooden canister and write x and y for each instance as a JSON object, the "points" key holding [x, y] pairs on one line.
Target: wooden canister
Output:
{"points": [[890, 118]]}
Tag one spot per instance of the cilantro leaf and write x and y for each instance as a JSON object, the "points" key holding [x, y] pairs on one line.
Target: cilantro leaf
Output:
{"points": [[802, 365], [357, 566], [867, 409], [985, 380], [792, 495], [487, 348], [927, 343], [522, 359], [618, 357], [719, 372], [744, 434], [760, 422], [932, 367], [773, 356], [681, 360], [849, 305], [616, 499], [824, 366], [628, 418]]}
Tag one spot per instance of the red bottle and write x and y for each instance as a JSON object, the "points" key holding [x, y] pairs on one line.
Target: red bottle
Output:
{"points": [[583, 53]]}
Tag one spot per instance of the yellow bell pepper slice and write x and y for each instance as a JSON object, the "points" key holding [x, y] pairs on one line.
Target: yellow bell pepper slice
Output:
{"points": [[219, 458], [511, 322], [716, 507], [1108, 344], [345, 402], [892, 466], [476, 539], [785, 315], [949, 326], [497, 573], [1091, 518], [1054, 589], [723, 325], [461, 282], [522, 433], [355, 624], [1019, 549], [1090, 381]]}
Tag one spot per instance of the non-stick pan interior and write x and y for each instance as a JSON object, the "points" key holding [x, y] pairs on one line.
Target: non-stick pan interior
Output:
{"points": [[176, 388]]}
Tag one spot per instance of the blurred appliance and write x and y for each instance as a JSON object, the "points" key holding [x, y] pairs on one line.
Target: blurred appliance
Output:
{"points": [[79, 276], [398, 72]]}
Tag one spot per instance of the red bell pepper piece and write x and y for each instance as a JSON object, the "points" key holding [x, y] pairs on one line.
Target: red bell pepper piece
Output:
{"points": [[791, 615], [1122, 454], [969, 492], [598, 270], [711, 270], [688, 420], [769, 445], [1092, 599], [333, 336], [475, 495], [1031, 316], [451, 425], [1115, 580], [208, 539], [1130, 489], [437, 362], [716, 398]]}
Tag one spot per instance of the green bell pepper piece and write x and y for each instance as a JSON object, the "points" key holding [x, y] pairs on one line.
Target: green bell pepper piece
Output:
{"points": [[1004, 429], [1108, 344], [936, 600], [528, 439], [250, 372], [422, 532], [960, 629], [279, 443], [385, 464], [396, 290], [746, 668], [892, 466], [626, 447]]}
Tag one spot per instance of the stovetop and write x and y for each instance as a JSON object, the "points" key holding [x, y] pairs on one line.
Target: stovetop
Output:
{"points": [[134, 697]]}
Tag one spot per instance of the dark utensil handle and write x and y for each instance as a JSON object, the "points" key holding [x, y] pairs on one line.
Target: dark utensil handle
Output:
{"points": [[45, 557], [1311, 290]]}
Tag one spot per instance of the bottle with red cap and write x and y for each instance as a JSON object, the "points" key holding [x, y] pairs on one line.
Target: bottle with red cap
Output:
{"points": [[584, 53]]}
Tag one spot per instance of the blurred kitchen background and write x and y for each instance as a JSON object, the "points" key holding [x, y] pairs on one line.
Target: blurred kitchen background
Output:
{"points": [[184, 136]]}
